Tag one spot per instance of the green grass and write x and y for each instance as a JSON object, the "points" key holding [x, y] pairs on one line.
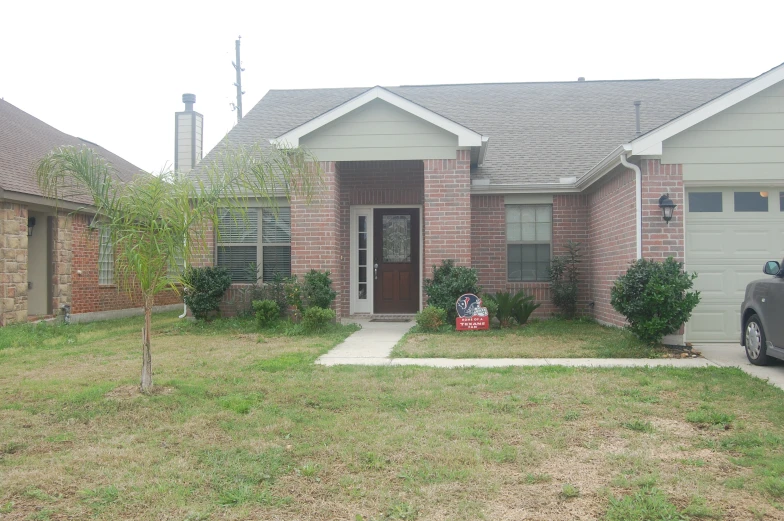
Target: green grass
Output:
{"points": [[551, 338], [243, 425]]}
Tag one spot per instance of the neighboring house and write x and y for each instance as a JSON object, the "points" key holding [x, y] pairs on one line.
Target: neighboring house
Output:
{"points": [[501, 176], [48, 255]]}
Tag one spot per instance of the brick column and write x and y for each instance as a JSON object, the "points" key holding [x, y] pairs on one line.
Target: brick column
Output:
{"points": [[62, 258], [662, 239], [447, 211], [13, 263], [315, 229], [488, 245]]}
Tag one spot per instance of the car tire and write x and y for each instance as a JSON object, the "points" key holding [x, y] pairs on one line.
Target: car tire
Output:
{"points": [[756, 347]]}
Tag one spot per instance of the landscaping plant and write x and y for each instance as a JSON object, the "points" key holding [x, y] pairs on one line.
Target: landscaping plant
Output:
{"points": [[204, 289], [523, 310], [491, 305], [275, 290], [448, 283], [655, 298], [155, 220], [431, 319], [315, 319], [564, 280], [267, 312], [317, 290]]}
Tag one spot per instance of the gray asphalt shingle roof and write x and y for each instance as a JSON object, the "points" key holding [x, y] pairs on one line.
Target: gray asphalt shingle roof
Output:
{"points": [[539, 132], [25, 140]]}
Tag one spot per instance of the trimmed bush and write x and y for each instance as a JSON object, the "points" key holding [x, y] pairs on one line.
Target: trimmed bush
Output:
{"points": [[267, 312], [655, 298], [564, 279], [431, 319], [315, 319], [448, 283], [317, 290], [204, 289]]}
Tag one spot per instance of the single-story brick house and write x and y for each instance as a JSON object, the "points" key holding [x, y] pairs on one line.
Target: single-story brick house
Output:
{"points": [[48, 256], [501, 176]]}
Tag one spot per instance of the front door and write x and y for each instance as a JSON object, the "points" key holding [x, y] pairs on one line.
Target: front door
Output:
{"points": [[396, 260]]}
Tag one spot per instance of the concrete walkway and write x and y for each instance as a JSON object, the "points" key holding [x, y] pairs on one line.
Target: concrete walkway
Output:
{"points": [[372, 345]]}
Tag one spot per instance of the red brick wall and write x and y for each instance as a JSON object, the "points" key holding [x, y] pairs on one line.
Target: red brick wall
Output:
{"points": [[613, 238], [662, 239], [488, 252], [447, 211], [86, 295], [372, 183]]}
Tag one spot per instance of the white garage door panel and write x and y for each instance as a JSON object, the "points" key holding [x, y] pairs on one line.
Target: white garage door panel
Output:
{"points": [[727, 250]]}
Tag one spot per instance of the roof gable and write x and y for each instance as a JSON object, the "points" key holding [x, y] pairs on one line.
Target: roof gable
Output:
{"points": [[466, 137], [651, 142]]}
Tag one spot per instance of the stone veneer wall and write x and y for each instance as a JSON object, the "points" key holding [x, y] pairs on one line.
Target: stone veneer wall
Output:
{"points": [[13, 263]]}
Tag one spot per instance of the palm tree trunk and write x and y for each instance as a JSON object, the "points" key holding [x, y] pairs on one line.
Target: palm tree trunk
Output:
{"points": [[146, 385]]}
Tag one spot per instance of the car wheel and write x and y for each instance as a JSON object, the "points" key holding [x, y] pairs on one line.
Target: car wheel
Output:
{"points": [[756, 349]]}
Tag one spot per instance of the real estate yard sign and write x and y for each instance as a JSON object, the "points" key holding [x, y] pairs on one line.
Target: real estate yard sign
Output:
{"points": [[470, 313]]}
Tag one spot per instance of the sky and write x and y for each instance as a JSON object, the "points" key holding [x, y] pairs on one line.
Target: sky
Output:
{"points": [[114, 73]]}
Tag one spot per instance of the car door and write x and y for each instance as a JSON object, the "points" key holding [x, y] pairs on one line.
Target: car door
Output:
{"points": [[773, 311]]}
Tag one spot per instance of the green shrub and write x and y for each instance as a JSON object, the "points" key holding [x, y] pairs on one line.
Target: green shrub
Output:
{"points": [[267, 312], [316, 318], [204, 289], [523, 310], [448, 283], [491, 305], [317, 290], [275, 290], [654, 298], [564, 280], [431, 318], [509, 306]]}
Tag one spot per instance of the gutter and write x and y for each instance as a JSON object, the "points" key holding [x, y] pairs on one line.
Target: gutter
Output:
{"points": [[602, 167], [637, 200]]}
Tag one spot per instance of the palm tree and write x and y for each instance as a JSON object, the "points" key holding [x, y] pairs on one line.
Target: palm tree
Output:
{"points": [[154, 221]]}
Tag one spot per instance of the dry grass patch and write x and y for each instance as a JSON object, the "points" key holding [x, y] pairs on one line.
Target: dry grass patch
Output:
{"points": [[552, 338], [245, 426]]}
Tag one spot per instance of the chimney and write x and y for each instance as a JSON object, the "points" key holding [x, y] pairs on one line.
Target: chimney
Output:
{"points": [[637, 115], [581, 78], [188, 127]]}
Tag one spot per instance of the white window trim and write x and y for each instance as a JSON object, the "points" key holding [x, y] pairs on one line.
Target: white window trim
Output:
{"points": [[527, 243], [259, 244]]}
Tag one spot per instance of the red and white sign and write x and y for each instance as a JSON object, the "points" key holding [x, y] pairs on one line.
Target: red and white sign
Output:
{"points": [[470, 313], [473, 323]]}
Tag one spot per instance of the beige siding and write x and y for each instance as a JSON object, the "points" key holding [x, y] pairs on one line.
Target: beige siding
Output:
{"points": [[743, 143], [380, 131]]}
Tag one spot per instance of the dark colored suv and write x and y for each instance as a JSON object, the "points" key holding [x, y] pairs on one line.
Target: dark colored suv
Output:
{"points": [[762, 317]]}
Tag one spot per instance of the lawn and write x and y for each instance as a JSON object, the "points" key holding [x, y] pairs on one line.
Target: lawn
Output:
{"points": [[551, 338], [245, 426]]}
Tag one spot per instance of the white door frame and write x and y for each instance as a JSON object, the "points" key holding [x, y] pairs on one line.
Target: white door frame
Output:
{"points": [[357, 307]]}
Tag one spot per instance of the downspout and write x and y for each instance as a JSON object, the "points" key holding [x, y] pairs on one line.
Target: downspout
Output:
{"points": [[637, 200]]}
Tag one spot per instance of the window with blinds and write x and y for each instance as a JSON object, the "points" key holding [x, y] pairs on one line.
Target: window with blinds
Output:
{"points": [[250, 255], [105, 257], [529, 232]]}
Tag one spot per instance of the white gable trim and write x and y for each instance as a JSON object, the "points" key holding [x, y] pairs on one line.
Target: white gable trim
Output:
{"points": [[651, 143], [465, 136]]}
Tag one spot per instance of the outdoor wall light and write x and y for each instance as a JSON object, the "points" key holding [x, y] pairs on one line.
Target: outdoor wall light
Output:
{"points": [[667, 206], [30, 226]]}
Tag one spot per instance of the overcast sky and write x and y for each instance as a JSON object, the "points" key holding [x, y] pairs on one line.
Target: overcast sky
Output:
{"points": [[115, 75]]}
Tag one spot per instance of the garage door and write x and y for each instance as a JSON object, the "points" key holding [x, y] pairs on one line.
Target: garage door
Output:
{"points": [[730, 234]]}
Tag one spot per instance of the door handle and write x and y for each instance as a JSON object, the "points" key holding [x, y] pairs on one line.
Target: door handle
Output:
{"points": [[375, 271]]}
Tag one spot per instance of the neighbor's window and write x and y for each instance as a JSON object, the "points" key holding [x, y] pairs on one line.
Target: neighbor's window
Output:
{"points": [[105, 257], [529, 232], [751, 201], [275, 243], [250, 255], [705, 202]]}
